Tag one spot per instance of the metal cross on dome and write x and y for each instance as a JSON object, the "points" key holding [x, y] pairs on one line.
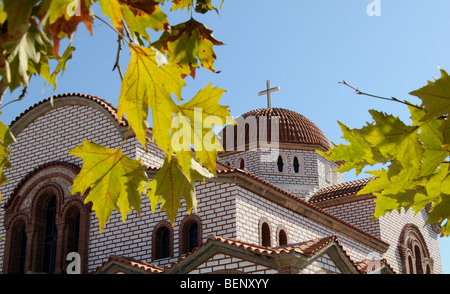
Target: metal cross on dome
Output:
{"points": [[268, 92]]}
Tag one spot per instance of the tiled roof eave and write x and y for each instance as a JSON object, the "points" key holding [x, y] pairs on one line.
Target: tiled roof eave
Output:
{"points": [[63, 99], [305, 208]]}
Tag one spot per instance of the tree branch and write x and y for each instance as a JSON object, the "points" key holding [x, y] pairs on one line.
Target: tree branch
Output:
{"points": [[3, 88], [119, 49], [393, 99]]}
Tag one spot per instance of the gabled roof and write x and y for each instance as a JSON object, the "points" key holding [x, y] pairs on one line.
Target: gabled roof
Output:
{"points": [[272, 192], [299, 255], [312, 211], [121, 264]]}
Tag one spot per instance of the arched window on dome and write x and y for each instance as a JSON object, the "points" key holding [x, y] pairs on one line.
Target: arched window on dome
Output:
{"points": [[415, 255], [296, 165], [280, 164]]}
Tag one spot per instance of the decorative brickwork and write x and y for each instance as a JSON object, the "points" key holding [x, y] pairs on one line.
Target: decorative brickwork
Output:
{"points": [[233, 206]]}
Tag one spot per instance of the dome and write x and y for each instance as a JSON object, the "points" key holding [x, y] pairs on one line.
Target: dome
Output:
{"points": [[293, 127]]}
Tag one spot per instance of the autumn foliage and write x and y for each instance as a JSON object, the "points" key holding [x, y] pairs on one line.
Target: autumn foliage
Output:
{"points": [[31, 31]]}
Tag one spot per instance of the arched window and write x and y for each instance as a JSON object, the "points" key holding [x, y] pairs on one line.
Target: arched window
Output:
{"points": [[72, 221], [51, 223], [241, 163], [162, 242], [415, 255], [282, 238], [280, 164], [296, 165], [50, 238], [265, 235], [190, 234], [18, 248]]}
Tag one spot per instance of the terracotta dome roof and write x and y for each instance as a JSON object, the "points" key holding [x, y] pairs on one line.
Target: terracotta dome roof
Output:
{"points": [[294, 127]]}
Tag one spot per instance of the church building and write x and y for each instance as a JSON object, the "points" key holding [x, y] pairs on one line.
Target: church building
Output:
{"points": [[272, 209]]}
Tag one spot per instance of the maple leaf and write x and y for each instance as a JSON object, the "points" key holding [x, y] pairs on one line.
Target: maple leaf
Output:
{"points": [[435, 97], [18, 13], [63, 25], [139, 15], [186, 44], [171, 183], [111, 178], [181, 4], [148, 83], [201, 113], [356, 155], [6, 138], [203, 6]]}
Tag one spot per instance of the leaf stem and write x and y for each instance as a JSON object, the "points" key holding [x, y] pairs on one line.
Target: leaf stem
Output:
{"points": [[380, 97]]}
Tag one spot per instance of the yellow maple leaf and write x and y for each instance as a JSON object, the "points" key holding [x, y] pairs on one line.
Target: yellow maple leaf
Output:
{"points": [[171, 183], [150, 83], [202, 113], [111, 178]]}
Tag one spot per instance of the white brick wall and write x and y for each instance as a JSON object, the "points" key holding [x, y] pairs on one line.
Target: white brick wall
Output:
{"points": [[250, 208], [359, 214], [311, 176], [223, 262], [225, 209], [391, 226]]}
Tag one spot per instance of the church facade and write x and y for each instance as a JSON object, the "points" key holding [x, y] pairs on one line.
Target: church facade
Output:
{"points": [[264, 213]]}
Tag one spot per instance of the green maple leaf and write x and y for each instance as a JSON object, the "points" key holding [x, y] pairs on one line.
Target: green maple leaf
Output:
{"points": [[111, 178], [18, 14], [150, 83], [188, 43], [356, 155], [171, 184], [393, 138], [432, 139], [435, 97]]}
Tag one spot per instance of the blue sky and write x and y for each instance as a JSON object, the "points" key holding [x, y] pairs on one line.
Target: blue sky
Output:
{"points": [[305, 47]]}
